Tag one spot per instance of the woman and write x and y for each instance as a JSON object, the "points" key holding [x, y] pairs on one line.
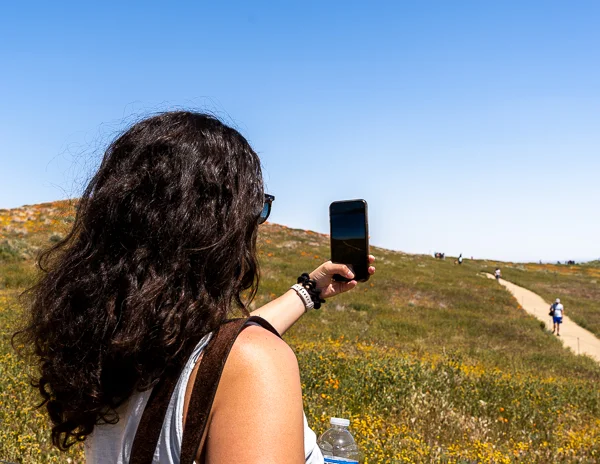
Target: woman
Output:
{"points": [[162, 252]]}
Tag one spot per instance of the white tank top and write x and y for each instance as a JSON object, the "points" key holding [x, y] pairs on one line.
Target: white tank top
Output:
{"points": [[111, 443]]}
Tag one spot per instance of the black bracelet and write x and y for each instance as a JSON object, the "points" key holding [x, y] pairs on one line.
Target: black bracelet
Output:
{"points": [[311, 287]]}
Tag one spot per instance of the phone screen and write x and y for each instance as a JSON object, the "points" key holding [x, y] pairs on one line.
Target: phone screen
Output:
{"points": [[349, 236]]}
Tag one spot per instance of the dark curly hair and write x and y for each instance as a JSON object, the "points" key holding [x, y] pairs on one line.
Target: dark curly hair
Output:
{"points": [[162, 250]]}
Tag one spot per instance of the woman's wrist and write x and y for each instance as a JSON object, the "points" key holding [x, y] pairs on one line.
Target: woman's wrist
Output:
{"points": [[304, 296], [308, 286]]}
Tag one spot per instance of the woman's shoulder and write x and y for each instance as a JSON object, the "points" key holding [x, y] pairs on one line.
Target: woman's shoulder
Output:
{"points": [[259, 401], [258, 352]]}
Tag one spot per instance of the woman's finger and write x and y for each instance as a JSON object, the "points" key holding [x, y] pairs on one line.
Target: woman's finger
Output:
{"points": [[371, 270], [371, 259], [341, 269], [346, 286], [341, 287]]}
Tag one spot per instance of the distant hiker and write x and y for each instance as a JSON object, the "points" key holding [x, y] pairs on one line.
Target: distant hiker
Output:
{"points": [[497, 273], [460, 259], [556, 311]]}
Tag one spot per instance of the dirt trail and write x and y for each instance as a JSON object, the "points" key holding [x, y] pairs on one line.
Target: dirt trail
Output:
{"points": [[581, 341]]}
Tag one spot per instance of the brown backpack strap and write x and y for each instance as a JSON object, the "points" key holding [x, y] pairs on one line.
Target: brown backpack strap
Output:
{"points": [[207, 382], [203, 394]]}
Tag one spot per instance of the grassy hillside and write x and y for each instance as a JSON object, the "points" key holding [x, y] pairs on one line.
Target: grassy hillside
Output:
{"points": [[595, 263], [432, 362], [578, 288]]}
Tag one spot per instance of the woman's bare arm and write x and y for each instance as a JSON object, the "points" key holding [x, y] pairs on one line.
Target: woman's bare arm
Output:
{"points": [[282, 312], [257, 416]]}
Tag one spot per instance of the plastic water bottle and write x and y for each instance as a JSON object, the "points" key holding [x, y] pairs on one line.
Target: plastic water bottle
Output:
{"points": [[337, 444]]}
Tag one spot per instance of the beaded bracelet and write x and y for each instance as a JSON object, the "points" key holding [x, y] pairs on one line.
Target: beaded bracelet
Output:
{"points": [[311, 287]]}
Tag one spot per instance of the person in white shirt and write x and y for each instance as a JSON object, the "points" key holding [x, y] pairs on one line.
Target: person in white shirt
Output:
{"points": [[163, 252], [498, 274], [557, 310]]}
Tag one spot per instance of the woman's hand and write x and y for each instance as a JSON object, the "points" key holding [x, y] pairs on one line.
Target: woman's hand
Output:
{"points": [[323, 275]]}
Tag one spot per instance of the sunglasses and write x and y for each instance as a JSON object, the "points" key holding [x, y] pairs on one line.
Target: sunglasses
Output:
{"points": [[266, 211]]}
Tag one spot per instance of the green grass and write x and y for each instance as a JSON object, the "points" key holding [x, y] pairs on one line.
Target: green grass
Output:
{"points": [[432, 363], [446, 322]]}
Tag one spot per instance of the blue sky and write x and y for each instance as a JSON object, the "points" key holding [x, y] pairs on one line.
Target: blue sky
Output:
{"points": [[468, 126]]}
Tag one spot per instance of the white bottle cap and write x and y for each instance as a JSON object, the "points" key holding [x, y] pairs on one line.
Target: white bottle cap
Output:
{"points": [[338, 421]]}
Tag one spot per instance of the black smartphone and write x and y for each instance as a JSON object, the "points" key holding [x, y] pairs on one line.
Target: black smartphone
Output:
{"points": [[349, 227]]}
